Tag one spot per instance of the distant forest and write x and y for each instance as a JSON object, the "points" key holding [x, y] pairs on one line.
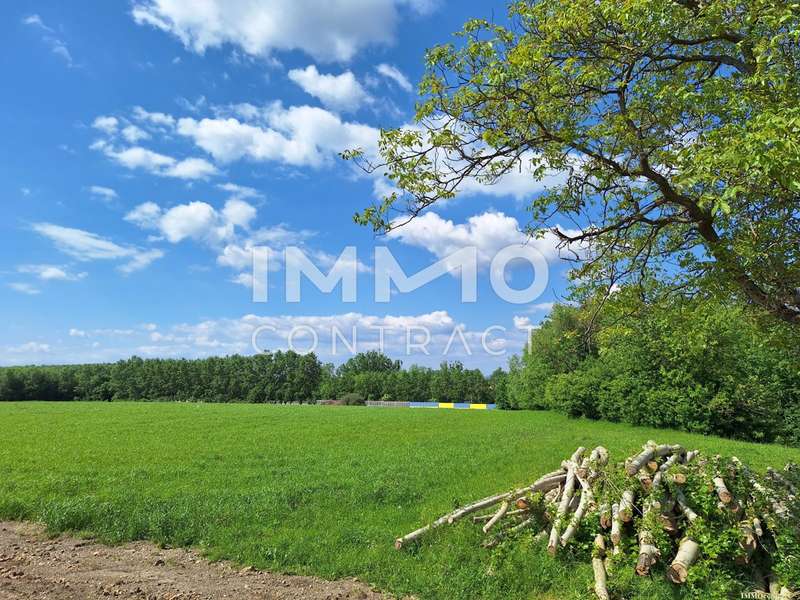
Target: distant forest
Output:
{"points": [[279, 377]]}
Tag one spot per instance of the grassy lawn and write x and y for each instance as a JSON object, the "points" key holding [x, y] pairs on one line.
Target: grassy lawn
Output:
{"points": [[313, 490]]}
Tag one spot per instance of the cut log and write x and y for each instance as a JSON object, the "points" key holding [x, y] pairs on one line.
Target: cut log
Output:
{"points": [[563, 507], [679, 478], [684, 507], [605, 515], [688, 551], [637, 462], [626, 506], [616, 525], [723, 493], [648, 551], [599, 568], [576, 518], [497, 516]]}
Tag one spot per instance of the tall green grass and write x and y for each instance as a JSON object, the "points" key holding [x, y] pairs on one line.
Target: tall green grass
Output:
{"points": [[313, 490]]}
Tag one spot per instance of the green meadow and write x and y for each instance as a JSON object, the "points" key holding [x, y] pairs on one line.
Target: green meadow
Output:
{"points": [[310, 489]]}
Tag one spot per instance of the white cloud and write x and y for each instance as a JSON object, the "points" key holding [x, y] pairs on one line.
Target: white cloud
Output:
{"points": [[133, 134], [106, 124], [393, 73], [29, 348], [51, 272], [158, 119], [106, 193], [57, 46], [137, 157], [24, 288], [36, 21], [488, 233], [86, 246], [77, 333], [140, 260], [297, 136], [239, 191], [334, 32], [342, 93], [146, 215], [195, 220], [238, 212]]}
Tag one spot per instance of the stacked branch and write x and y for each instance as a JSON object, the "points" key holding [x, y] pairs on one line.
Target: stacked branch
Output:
{"points": [[651, 497]]}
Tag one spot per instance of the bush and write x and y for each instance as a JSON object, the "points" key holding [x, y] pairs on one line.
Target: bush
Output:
{"points": [[695, 365], [352, 399]]}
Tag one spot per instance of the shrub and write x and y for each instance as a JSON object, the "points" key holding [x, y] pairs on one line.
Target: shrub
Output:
{"points": [[352, 399]]}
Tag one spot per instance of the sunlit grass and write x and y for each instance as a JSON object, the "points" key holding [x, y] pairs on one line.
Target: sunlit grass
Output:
{"points": [[306, 489]]}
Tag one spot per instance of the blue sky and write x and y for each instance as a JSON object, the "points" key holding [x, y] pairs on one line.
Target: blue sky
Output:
{"points": [[149, 145]]}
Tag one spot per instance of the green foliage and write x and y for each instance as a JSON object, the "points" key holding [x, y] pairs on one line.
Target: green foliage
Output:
{"points": [[558, 346], [317, 490], [696, 364], [676, 123]]}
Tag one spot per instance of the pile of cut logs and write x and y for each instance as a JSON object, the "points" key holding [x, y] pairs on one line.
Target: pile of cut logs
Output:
{"points": [[664, 496]]}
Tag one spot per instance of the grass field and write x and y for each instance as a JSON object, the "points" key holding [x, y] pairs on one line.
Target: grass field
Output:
{"points": [[313, 490]]}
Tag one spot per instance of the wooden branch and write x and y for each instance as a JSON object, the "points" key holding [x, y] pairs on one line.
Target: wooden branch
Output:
{"points": [[497, 516], [566, 498], [510, 513], [599, 568], [688, 551], [685, 508], [616, 527], [585, 500]]}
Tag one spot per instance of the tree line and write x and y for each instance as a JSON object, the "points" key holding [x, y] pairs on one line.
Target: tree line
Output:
{"points": [[279, 377], [695, 364]]}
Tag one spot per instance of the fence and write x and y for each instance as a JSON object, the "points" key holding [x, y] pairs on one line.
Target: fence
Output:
{"points": [[454, 405]]}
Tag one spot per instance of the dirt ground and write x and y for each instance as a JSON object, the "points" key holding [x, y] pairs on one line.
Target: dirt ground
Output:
{"points": [[32, 566]]}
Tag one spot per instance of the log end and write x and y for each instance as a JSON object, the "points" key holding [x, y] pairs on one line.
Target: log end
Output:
{"points": [[398, 544], [677, 574]]}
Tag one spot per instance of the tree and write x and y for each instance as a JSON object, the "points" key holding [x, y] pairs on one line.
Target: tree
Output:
{"points": [[676, 123]]}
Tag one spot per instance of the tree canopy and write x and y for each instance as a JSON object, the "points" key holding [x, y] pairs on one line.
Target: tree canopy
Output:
{"points": [[676, 124]]}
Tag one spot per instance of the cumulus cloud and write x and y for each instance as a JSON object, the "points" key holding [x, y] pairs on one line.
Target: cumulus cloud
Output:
{"points": [[158, 119], [106, 124], [51, 272], [341, 93], [260, 27], [488, 232], [133, 134], [296, 136], [195, 220], [393, 73], [86, 246], [155, 163]]}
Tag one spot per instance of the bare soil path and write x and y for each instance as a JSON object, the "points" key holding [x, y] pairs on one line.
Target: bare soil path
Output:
{"points": [[33, 566]]}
